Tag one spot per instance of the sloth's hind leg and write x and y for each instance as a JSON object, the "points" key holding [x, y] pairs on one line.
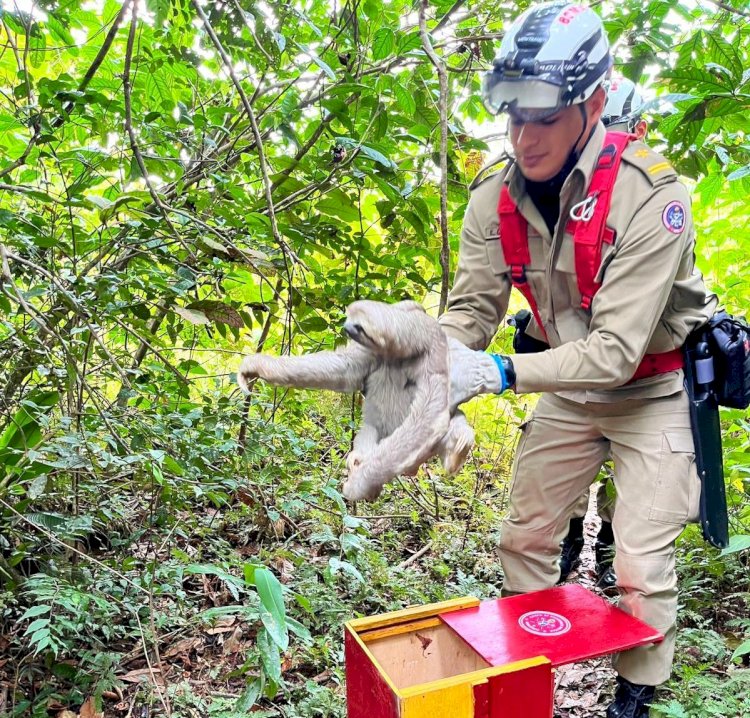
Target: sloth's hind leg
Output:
{"points": [[455, 446]]}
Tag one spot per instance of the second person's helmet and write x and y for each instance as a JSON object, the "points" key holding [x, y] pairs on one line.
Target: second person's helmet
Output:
{"points": [[624, 104]]}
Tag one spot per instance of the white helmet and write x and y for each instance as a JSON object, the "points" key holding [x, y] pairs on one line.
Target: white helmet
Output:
{"points": [[554, 55], [624, 104]]}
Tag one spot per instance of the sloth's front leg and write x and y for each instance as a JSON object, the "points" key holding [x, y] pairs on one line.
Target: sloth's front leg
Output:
{"points": [[342, 371]]}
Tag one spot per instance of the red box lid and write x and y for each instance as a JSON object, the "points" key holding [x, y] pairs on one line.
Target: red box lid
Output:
{"points": [[566, 624]]}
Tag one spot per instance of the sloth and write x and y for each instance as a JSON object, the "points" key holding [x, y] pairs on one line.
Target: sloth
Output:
{"points": [[398, 358]]}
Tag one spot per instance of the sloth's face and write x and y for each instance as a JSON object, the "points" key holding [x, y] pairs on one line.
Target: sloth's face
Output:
{"points": [[385, 329]]}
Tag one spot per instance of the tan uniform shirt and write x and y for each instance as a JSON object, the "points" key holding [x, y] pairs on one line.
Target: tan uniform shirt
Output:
{"points": [[651, 295]]}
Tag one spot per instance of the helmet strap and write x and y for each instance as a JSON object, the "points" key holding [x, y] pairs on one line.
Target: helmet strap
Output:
{"points": [[584, 117]]}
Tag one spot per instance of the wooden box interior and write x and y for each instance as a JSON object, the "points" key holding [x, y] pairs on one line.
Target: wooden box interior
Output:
{"points": [[421, 653]]}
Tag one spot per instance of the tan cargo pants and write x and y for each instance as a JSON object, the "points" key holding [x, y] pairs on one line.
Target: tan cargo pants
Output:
{"points": [[559, 454]]}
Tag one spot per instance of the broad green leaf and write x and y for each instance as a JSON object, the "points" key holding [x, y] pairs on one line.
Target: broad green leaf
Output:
{"points": [[335, 496], [404, 98], [314, 324], [248, 613], [273, 613], [59, 31], [742, 650], [9, 122], [697, 79], [270, 656], [738, 542], [38, 45], [725, 54], [323, 66], [739, 174], [338, 204], [34, 611], [379, 157], [160, 8], [383, 43], [673, 710], [100, 202], [38, 486], [35, 625], [710, 187], [318, 61], [232, 582], [380, 126], [722, 106], [306, 19], [249, 696], [336, 565], [409, 42], [299, 630], [351, 544], [23, 432]]}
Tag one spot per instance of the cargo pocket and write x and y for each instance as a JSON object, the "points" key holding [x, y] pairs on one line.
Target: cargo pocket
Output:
{"points": [[495, 256], [677, 490]]}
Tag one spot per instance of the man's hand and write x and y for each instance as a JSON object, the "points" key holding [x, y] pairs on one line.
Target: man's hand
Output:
{"points": [[474, 372]]}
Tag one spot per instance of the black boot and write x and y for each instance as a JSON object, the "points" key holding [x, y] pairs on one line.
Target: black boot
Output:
{"points": [[571, 548], [608, 580], [604, 550], [631, 700]]}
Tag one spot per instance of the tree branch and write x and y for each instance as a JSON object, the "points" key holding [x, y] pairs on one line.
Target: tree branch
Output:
{"points": [[145, 342], [131, 132], [729, 8], [251, 30], [443, 108], [256, 132], [448, 15], [104, 49]]}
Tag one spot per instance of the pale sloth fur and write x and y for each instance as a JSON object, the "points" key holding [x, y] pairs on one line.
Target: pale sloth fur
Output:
{"points": [[398, 358]]}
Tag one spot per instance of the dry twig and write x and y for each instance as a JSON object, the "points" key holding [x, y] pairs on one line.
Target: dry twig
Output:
{"points": [[416, 556]]}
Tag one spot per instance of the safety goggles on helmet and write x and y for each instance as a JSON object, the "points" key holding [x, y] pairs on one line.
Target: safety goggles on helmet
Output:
{"points": [[522, 115], [627, 124]]}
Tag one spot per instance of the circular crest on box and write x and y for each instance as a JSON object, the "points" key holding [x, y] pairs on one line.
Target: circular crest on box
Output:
{"points": [[544, 623]]}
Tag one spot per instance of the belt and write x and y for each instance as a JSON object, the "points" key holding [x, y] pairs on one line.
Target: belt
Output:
{"points": [[653, 364]]}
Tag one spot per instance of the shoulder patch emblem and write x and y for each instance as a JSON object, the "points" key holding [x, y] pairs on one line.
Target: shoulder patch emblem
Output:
{"points": [[673, 217], [641, 153]]}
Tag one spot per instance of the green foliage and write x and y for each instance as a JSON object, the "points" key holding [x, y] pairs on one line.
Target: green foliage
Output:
{"points": [[142, 500]]}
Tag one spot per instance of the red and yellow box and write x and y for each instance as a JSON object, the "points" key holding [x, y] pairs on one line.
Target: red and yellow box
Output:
{"points": [[470, 659]]}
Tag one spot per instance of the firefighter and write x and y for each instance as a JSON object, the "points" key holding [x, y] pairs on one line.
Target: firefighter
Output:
{"points": [[615, 322]]}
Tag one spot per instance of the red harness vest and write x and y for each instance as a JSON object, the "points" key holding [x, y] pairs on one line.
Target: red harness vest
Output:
{"points": [[590, 231]]}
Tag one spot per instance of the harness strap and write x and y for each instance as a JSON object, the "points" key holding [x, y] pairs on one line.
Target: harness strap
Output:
{"points": [[591, 227], [515, 243]]}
